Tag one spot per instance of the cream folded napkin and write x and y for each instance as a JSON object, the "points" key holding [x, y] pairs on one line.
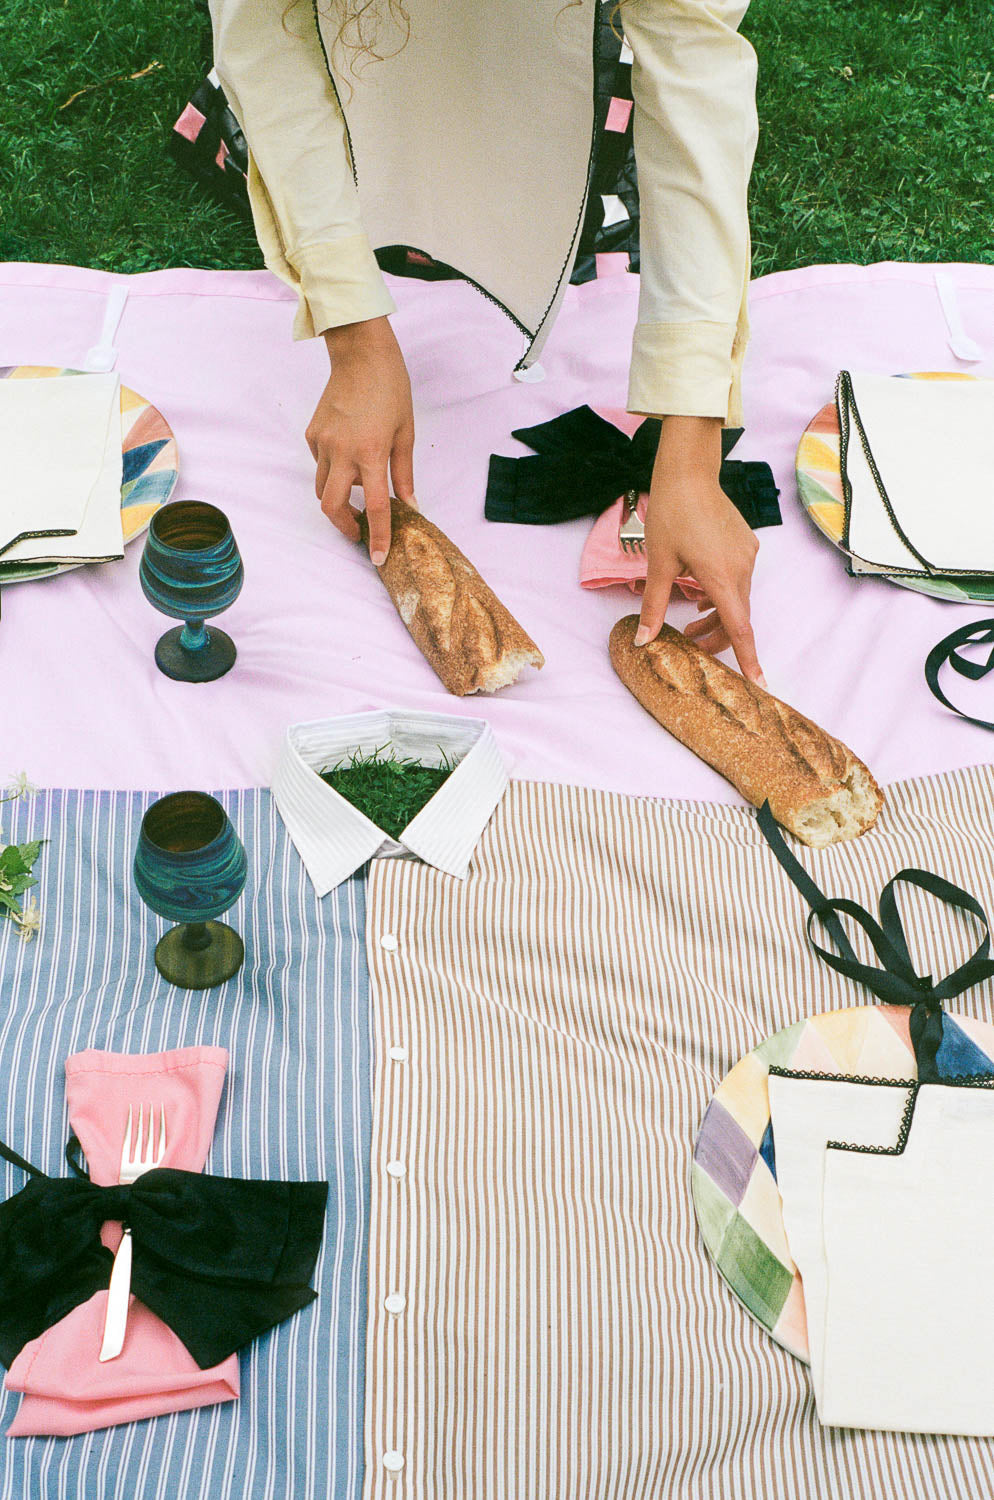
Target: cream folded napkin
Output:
{"points": [[909, 1248], [806, 1114], [60, 461], [930, 445]]}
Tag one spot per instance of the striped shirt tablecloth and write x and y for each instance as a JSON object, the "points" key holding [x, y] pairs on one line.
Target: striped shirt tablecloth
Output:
{"points": [[296, 1104], [544, 1323]]}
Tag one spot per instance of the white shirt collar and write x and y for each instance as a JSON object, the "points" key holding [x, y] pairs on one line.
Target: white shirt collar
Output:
{"points": [[333, 838]]}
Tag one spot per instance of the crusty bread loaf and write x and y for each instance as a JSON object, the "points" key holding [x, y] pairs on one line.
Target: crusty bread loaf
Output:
{"points": [[458, 623], [815, 785]]}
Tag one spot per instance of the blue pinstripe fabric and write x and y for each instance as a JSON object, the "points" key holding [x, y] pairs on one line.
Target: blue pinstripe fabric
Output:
{"points": [[296, 1104]]}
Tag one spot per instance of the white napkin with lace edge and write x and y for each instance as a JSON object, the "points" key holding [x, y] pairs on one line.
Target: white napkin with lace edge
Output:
{"points": [[931, 444], [894, 1251], [909, 1247], [60, 469]]}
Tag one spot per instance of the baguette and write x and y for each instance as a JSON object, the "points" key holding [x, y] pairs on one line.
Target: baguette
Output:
{"points": [[814, 784], [457, 622]]}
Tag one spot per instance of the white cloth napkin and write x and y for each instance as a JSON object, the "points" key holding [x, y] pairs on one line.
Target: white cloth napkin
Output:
{"points": [[60, 461], [909, 1246], [931, 443], [806, 1114]]}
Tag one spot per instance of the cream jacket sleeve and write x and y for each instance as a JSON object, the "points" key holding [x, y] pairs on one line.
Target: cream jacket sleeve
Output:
{"points": [[694, 85], [300, 180]]}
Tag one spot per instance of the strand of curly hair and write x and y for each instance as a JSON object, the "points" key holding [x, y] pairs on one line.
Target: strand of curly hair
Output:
{"points": [[358, 22]]}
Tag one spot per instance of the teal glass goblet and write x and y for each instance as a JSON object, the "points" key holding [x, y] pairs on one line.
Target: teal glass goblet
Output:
{"points": [[190, 866], [191, 569]]}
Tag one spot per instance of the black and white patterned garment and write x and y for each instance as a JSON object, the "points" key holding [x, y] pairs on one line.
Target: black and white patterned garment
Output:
{"points": [[208, 142]]}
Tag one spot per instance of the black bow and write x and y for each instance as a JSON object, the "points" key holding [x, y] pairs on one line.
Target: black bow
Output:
{"points": [[896, 983], [584, 463], [220, 1260], [980, 633]]}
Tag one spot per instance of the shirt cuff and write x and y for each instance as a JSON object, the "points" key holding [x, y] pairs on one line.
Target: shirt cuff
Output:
{"points": [[687, 370], [339, 282]]}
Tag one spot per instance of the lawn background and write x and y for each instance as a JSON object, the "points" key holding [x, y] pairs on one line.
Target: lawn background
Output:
{"points": [[877, 134]]}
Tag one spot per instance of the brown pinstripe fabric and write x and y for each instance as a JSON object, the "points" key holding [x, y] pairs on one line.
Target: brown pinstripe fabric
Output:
{"points": [[566, 1013]]}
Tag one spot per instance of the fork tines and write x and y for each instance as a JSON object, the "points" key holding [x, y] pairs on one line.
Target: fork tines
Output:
{"points": [[139, 1151], [631, 533]]}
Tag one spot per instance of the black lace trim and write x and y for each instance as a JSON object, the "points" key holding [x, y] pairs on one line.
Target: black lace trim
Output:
{"points": [[581, 212], [894, 1083], [955, 1080], [334, 84], [904, 1130]]}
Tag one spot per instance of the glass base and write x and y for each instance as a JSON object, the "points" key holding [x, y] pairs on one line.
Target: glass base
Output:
{"points": [[200, 967], [205, 664]]}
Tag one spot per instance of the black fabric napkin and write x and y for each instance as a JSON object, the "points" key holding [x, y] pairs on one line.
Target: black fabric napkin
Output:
{"points": [[221, 1260], [584, 463]]}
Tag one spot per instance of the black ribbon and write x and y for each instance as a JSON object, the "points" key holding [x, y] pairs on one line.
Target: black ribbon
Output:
{"points": [[584, 463], [980, 633], [896, 983], [219, 1259]]}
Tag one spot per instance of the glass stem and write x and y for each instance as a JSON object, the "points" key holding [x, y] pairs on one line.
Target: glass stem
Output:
{"points": [[196, 937], [193, 636]]}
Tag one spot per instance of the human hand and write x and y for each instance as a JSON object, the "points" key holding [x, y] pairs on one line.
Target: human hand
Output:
{"points": [[692, 527], [362, 428]]}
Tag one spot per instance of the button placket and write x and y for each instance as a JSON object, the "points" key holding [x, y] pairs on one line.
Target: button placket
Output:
{"points": [[394, 1301]]}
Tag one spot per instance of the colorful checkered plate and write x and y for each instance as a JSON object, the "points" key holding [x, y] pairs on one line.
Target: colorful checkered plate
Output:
{"points": [[149, 475], [819, 486], [734, 1171]]}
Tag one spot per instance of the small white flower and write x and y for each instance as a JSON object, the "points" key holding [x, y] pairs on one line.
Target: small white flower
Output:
{"points": [[20, 786], [29, 919], [5, 884]]}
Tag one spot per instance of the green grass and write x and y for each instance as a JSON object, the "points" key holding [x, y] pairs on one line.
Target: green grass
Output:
{"points": [[391, 791], [90, 183], [877, 138], [877, 131]]}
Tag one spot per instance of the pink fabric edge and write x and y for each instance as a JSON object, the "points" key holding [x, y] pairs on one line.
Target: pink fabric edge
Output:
{"points": [[48, 1414], [94, 1061], [225, 1375], [777, 283], [263, 285]]}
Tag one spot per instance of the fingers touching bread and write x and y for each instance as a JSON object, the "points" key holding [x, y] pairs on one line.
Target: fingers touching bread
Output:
{"points": [[458, 623], [815, 785]]}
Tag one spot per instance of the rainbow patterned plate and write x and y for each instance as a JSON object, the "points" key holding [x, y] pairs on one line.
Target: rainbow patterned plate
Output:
{"points": [[819, 486], [734, 1172], [151, 469]]}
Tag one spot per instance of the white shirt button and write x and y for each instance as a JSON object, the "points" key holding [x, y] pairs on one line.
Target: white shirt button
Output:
{"points": [[393, 1461], [389, 942], [397, 1054], [395, 1303], [396, 1168]]}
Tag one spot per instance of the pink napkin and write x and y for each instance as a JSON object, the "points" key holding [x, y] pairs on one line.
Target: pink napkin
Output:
{"points": [[66, 1388], [603, 562]]}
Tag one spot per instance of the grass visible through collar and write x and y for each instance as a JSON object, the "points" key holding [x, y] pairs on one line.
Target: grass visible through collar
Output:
{"points": [[390, 791]]}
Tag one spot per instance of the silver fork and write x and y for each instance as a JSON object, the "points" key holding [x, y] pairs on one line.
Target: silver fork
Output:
{"points": [[136, 1158], [631, 533]]}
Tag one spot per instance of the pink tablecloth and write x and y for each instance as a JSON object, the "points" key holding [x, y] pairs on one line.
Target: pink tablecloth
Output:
{"points": [[83, 704]]}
